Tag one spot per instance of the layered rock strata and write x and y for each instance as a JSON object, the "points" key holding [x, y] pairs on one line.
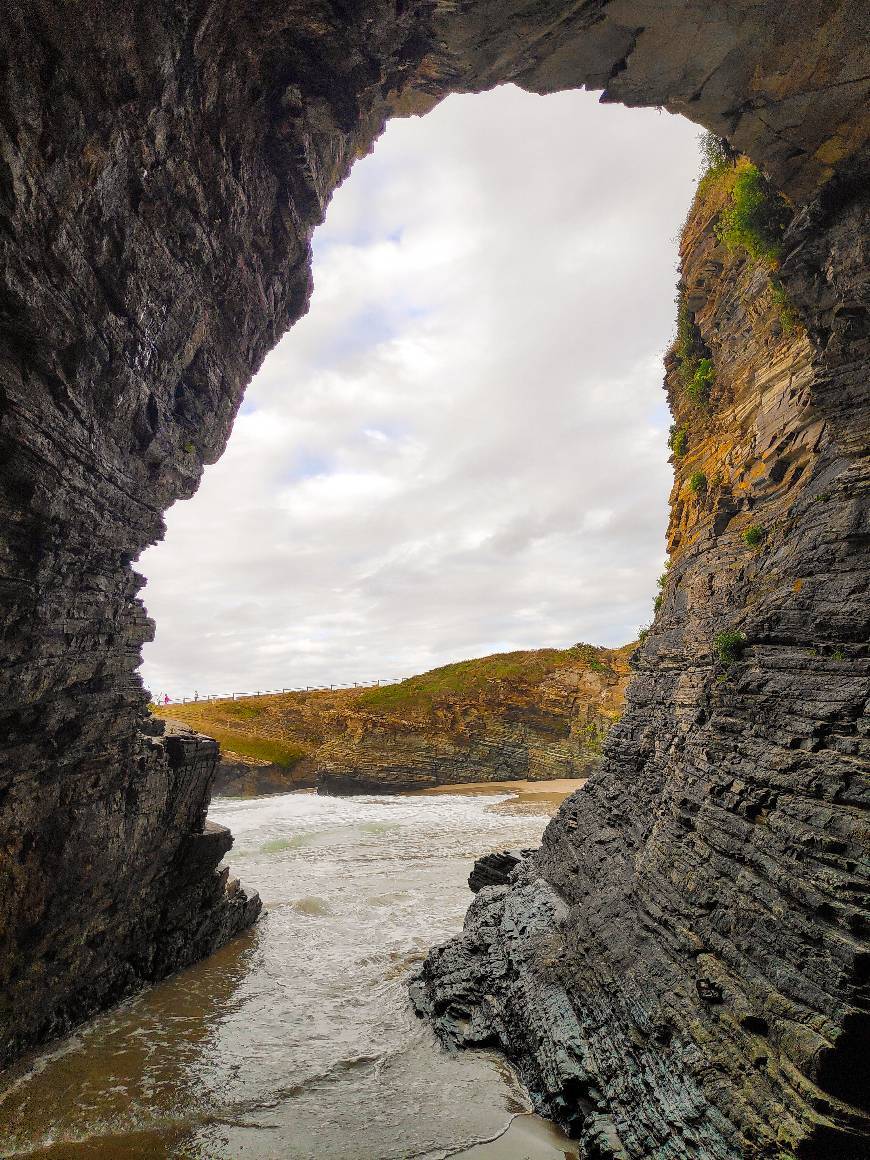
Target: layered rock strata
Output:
{"points": [[495, 869], [148, 893], [536, 731], [542, 717], [162, 168], [241, 776], [681, 969]]}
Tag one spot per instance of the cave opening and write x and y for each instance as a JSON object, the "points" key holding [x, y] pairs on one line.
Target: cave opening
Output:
{"points": [[462, 448], [157, 207]]}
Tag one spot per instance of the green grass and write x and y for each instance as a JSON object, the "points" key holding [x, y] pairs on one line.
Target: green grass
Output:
{"points": [[283, 753], [698, 482], [752, 536], [243, 710], [467, 678]]}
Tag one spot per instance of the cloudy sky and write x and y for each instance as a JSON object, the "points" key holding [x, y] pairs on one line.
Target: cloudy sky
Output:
{"points": [[461, 449]]}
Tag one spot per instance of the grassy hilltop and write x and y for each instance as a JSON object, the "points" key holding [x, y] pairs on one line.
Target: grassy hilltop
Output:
{"points": [[285, 729]]}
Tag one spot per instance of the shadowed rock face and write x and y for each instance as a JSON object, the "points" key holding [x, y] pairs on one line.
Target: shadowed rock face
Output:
{"points": [[162, 168]]}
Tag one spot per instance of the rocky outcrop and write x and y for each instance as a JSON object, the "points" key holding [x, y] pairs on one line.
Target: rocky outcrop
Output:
{"points": [[510, 729], [681, 969], [162, 168], [240, 776], [377, 755], [495, 869], [149, 897]]}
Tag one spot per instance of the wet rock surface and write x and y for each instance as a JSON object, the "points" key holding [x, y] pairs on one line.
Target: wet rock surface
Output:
{"points": [[162, 168], [150, 896]]}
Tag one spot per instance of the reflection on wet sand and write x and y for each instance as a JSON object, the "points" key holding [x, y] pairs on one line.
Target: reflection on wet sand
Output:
{"points": [[528, 1137]]}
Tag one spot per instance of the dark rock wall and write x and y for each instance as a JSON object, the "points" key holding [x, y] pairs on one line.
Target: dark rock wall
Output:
{"points": [[114, 883], [162, 167]]}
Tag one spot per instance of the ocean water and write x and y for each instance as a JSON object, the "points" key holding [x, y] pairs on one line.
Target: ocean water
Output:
{"points": [[297, 1040]]}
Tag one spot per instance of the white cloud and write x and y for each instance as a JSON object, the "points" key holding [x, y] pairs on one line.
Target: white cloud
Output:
{"points": [[461, 447]]}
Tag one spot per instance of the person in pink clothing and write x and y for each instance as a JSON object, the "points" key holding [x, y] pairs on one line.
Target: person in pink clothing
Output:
{"points": [[165, 698]]}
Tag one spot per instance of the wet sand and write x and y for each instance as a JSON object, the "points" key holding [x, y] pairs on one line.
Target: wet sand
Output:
{"points": [[526, 797], [527, 1138]]}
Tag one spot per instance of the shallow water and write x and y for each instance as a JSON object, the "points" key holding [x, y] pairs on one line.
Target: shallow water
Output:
{"points": [[297, 1040]]}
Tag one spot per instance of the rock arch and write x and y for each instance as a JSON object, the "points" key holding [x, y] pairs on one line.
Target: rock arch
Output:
{"points": [[162, 168]]}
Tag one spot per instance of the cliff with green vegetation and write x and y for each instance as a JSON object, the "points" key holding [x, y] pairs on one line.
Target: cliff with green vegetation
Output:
{"points": [[681, 969], [539, 715]]}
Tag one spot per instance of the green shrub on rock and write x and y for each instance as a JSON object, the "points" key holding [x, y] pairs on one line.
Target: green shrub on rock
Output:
{"points": [[752, 536], [716, 153], [589, 654], [729, 646], [698, 482], [677, 441], [688, 346], [755, 217], [788, 316], [698, 387]]}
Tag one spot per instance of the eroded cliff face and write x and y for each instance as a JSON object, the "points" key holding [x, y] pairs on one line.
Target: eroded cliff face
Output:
{"points": [[538, 729], [681, 969], [162, 168], [535, 715]]}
